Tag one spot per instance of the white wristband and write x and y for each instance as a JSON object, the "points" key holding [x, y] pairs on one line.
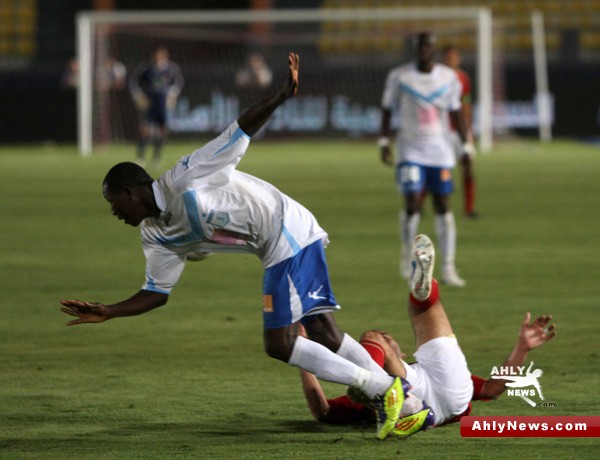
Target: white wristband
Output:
{"points": [[468, 148], [383, 142]]}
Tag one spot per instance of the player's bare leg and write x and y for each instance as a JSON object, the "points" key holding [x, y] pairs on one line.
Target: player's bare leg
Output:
{"points": [[429, 321], [159, 142], [425, 310], [144, 138], [468, 186]]}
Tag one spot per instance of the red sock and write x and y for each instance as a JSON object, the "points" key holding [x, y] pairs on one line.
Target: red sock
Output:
{"points": [[434, 296], [469, 191], [375, 350]]}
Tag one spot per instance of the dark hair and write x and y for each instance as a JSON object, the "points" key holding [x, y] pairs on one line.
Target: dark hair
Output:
{"points": [[449, 48], [126, 174], [423, 38]]}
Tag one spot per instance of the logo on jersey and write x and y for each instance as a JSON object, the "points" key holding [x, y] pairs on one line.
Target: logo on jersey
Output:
{"points": [[218, 218]]}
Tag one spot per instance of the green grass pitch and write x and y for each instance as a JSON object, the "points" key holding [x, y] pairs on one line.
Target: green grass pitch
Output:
{"points": [[191, 380]]}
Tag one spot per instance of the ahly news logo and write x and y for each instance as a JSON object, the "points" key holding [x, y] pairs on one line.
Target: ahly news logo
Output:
{"points": [[522, 383]]}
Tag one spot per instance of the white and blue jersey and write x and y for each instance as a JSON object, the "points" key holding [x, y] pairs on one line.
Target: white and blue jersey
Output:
{"points": [[423, 100], [208, 206]]}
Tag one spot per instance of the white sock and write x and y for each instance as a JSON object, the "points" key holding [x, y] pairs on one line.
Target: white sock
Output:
{"points": [[326, 365], [353, 351], [409, 226], [445, 227]]}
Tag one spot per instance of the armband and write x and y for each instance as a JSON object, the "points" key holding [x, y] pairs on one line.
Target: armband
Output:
{"points": [[383, 142]]}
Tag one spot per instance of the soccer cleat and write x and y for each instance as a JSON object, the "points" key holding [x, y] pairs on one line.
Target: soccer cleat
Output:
{"points": [[451, 278], [388, 407], [423, 258], [413, 423]]}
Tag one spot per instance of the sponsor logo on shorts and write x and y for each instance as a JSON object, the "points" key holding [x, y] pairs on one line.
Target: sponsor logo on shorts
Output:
{"points": [[268, 303], [445, 175], [315, 294]]}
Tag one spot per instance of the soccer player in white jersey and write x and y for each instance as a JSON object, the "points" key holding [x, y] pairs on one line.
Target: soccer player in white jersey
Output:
{"points": [[205, 205], [425, 93]]}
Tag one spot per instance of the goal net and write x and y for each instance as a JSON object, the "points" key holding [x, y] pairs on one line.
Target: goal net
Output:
{"points": [[345, 55]]}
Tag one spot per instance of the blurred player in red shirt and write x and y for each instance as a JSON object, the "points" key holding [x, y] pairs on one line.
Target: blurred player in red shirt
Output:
{"points": [[452, 58]]}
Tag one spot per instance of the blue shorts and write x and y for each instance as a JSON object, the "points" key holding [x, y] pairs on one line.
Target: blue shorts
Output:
{"points": [[414, 178], [297, 287]]}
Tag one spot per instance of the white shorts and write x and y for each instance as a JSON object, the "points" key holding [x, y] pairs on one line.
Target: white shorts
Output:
{"points": [[441, 378]]}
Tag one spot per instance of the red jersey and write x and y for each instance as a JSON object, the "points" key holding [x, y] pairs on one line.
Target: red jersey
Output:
{"points": [[465, 95]]}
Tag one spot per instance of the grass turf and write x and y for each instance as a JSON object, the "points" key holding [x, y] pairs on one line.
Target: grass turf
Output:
{"points": [[190, 380]]}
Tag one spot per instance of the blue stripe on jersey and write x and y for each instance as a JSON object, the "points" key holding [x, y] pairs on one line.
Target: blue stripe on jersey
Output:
{"points": [[237, 135], [291, 240], [427, 98], [196, 233]]}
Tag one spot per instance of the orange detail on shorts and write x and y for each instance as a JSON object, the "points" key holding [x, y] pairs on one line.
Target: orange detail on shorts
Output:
{"points": [[445, 175], [268, 303]]}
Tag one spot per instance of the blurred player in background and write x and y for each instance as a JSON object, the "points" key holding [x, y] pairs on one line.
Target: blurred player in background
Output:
{"points": [[425, 93], [255, 73], [155, 87], [452, 58], [441, 382], [112, 74], [204, 205]]}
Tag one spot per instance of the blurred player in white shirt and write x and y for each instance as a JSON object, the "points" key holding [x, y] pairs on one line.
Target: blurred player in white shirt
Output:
{"points": [[426, 94], [205, 205]]}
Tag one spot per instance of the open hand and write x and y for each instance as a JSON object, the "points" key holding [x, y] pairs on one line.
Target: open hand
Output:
{"points": [[538, 332], [86, 312]]}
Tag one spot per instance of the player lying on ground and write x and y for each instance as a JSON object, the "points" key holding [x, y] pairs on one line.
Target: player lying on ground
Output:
{"points": [[442, 386], [204, 205]]}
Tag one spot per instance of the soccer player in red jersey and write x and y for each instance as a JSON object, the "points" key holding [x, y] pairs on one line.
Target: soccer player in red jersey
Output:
{"points": [[440, 377], [452, 58]]}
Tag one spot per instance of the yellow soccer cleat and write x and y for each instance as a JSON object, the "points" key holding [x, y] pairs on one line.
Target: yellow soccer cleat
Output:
{"points": [[411, 424], [388, 406]]}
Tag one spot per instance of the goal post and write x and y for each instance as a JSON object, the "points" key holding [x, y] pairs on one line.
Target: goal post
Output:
{"points": [[368, 39]]}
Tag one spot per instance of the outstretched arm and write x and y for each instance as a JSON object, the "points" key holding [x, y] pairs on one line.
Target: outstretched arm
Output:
{"points": [[256, 116], [530, 336], [93, 312]]}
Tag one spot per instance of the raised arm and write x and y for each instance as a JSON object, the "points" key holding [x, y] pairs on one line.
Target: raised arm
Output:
{"points": [[530, 336], [93, 312], [256, 116]]}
